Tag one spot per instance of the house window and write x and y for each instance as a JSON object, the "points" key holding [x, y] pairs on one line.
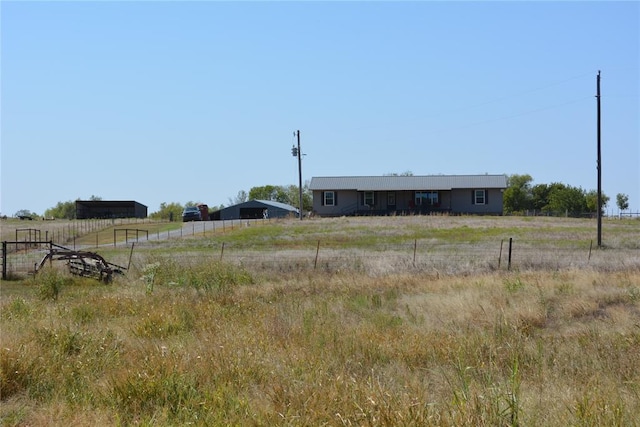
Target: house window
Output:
{"points": [[427, 198], [391, 198], [480, 197], [369, 199], [329, 198]]}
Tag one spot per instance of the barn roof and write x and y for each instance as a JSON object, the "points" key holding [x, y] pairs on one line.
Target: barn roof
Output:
{"points": [[265, 204]]}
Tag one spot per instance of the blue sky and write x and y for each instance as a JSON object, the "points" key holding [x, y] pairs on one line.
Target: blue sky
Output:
{"points": [[195, 101]]}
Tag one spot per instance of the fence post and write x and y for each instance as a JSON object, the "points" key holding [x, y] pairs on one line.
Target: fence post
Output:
{"points": [[315, 262], [590, 246], [130, 256], [510, 245], [222, 251], [415, 247], [500, 256], [4, 260]]}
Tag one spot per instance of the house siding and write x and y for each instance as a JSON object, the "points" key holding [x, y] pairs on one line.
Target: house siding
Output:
{"points": [[350, 200], [461, 202], [347, 203]]}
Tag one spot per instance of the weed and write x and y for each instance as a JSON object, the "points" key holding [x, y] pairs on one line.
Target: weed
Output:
{"points": [[14, 376], [149, 275], [157, 392], [50, 282], [513, 285], [17, 309]]}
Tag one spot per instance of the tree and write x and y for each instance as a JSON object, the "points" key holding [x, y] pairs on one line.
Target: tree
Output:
{"points": [[241, 197], [95, 198], [622, 200], [275, 193], [168, 212], [518, 196], [540, 194], [62, 210], [25, 213], [293, 196], [591, 201], [565, 199]]}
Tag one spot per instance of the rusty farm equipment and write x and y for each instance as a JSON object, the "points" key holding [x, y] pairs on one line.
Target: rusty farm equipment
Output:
{"points": [[83, 263]]}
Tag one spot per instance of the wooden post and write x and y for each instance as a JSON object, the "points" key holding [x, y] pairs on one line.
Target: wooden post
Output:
{"points": [[500, 256], [315, 262], [590, 246], [4, 260], [222, 251], [510, 246], [415, 247], [130, 255]]}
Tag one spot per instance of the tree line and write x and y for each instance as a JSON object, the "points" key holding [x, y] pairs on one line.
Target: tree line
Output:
{"points": [[556, 198], [520, 197]]}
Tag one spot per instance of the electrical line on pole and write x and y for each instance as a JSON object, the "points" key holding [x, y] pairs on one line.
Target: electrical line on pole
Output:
{"points": [[599, 166], [296, 152]]}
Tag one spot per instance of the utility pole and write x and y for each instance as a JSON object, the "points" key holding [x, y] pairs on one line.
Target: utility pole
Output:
{"points": [[599, 167], [296, 152]]}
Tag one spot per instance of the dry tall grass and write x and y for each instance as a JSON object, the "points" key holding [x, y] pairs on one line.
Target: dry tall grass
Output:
{"points": [[496, 349], [214, 343]]}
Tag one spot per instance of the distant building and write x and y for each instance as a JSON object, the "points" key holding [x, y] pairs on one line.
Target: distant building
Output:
{"points": [[255, 209], [86, 209], [402, 195]]}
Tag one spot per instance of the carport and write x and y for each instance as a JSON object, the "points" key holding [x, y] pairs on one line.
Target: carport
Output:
{"points": [[256, 209]]}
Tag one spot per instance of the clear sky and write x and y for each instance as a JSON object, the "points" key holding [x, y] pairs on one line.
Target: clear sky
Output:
{"points": [[195, 101]]}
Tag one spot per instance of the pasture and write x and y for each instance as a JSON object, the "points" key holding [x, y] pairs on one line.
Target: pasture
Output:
{"points": [[407, 321]]}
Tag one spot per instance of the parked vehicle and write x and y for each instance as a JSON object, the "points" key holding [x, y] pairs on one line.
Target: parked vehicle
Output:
{"points": [[204, 212], [191, 213]]}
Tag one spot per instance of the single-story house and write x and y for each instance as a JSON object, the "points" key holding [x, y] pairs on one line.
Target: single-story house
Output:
{"points": [[255, 209], [86, 209], [402, 195]]}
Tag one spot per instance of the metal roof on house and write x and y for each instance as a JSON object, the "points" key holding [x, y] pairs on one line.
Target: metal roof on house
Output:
{"points": [[399, 183]]}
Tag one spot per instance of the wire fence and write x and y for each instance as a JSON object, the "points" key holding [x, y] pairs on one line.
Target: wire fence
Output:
{"points": [[409, 256], [417, 256]]}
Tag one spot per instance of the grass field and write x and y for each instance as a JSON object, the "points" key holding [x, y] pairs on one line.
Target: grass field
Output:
{"points": [[368, 336]]}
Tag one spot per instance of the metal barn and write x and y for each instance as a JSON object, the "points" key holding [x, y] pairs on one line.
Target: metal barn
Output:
{"points": [[256, 209], [86, 209]]}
